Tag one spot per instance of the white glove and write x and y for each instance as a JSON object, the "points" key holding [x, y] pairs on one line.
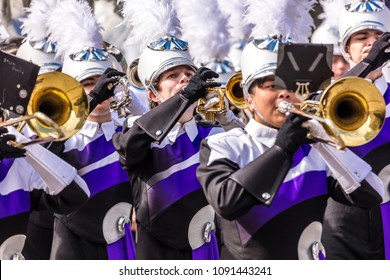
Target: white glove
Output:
{"points": [[56, 172], [316, 129]]}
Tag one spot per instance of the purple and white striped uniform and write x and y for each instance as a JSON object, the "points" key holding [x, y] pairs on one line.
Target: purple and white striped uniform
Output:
{"points": [[168, 196], [91, 152], [292, 224], [22, 190], [367, 235]]}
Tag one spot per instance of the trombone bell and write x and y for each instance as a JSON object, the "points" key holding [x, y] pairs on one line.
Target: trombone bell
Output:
{"points": [[356, 108], [62, 99], [57, 109], [351, 110]]}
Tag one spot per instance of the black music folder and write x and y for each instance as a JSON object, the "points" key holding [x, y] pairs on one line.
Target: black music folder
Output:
{"points": [[17, 81], [304, 68]]}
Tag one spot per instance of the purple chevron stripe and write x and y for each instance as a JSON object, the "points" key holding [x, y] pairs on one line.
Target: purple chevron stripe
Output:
{"points": [[385, 210], [301, 188], [179, 151], [98, 180], [382, 138], [302, 152], [93, 152], [168, 191], [5, 165], [14, 203]]}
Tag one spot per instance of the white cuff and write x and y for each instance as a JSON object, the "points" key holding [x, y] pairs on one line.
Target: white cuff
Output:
{"points": [[56, 173], [229, 120], [346, 167]]}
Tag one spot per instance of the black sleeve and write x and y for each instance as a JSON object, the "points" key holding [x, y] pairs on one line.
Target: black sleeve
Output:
{"points": [[133, 143], [361, 70], [65, 202], [233, 191], [364, 196]]}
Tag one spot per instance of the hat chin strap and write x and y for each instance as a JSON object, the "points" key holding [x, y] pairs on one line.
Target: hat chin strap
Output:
{"points": [[257, 112], [153, 89]]}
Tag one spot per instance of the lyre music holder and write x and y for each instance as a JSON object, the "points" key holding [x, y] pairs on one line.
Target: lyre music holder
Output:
{"points": [[304, 68]]}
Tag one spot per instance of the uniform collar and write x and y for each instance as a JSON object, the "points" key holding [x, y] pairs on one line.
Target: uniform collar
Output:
{"points": [[381, 84], [189, 127], [89, 129], [261, 133]]}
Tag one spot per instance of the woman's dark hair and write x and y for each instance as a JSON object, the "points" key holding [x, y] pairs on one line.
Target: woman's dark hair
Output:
{"points": [[259, 82]]}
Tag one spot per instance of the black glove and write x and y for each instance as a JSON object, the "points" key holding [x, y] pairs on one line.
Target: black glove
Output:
{"points": [[377, 55], [292, 135], [101, 92], [198, 84], [6, 150]]}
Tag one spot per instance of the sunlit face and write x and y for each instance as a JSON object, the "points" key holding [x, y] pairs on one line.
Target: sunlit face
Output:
{"points": [[171, 82], [266, 99], [339, 66], [360, 43]]}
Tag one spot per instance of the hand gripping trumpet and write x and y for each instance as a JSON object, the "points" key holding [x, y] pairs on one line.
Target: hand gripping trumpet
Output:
{"points": [[216, 104], [122, 98], [351, 110]]}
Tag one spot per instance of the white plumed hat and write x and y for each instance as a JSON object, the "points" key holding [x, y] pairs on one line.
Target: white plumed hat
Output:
{"points": [[77, 34], [206, 31], [362, 14], [328, 32], [273, 22], [37, 48], [156, 31]]}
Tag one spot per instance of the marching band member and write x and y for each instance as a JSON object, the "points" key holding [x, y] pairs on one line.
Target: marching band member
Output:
{"points": [[39, 50], [350, 232], [32, 180], [327, 33], [268, 186], [100, 229], [159, 150]]}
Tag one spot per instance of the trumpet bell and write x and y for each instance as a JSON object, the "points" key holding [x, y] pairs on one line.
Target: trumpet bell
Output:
{"points": [[356, 109], [234, 91], [132, 73], [62, 99]]}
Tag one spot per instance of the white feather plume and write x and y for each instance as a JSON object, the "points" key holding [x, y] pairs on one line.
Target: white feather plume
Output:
{"points": [[35, 26], [235, 11], [205, 28], [149, 20], [287, 17], [73, 27], [332, 10]]}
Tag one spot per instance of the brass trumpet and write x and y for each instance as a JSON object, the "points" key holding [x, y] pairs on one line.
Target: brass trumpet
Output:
{"points": [[57, 109], [132, 73], [351, 110], [233, 93], [122, 98]]}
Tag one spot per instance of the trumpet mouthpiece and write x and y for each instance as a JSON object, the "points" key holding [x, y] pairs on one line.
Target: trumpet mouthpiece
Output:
{"points": [[285, 107]]}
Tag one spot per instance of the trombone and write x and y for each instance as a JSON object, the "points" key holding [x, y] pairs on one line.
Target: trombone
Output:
{"points": [[351, 110], [57, 109]]}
